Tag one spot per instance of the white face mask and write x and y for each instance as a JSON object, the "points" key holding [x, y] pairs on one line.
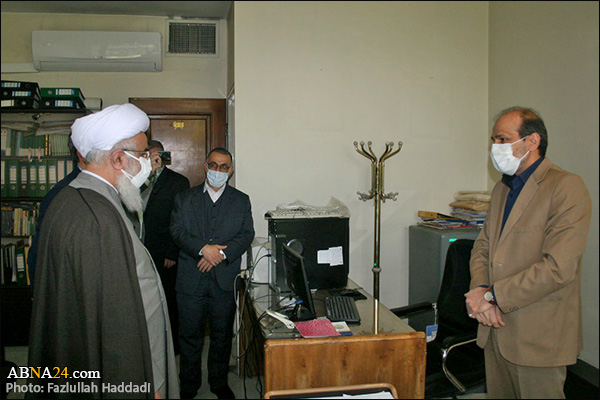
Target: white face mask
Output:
{"points": [[216, 178], [139, 179], [504, 160]]}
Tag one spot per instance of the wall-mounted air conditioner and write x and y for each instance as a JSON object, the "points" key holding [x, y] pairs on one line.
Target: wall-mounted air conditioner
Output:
{"points": [[96, 51]]}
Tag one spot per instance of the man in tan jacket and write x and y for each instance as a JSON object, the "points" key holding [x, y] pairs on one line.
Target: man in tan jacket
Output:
{"points": [[526, 264]]}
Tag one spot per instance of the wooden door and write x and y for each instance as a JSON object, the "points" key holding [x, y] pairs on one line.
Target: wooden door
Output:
{"points": [[188, 128]]}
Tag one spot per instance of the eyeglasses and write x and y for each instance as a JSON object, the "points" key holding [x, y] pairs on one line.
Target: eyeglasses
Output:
{"points": [[143, 153], [214, 166]]}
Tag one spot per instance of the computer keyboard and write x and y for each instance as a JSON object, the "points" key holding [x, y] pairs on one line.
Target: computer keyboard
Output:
{"points": [[341, 308], [302, 213]]}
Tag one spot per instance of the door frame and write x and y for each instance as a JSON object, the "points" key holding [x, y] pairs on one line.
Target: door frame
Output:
{"points": [[214, 109]]}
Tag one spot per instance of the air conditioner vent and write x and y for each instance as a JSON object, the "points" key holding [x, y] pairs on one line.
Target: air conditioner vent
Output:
{"points": [[192, 37]]}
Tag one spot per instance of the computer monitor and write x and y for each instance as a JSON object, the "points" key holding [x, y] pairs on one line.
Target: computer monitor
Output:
{"points": [[295, 274]]}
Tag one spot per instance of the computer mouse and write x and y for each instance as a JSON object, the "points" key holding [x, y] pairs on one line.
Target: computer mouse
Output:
{"points": [[352, 293]]}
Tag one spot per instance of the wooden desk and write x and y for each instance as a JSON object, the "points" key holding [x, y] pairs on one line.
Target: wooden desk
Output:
{"points": [[334, 392], [395, 354]]}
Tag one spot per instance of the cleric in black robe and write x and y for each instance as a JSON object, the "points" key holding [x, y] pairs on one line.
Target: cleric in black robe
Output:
{"points": [[98, 302]]}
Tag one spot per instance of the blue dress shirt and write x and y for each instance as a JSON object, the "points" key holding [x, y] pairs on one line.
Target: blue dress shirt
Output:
{"points": [[516, 183]]}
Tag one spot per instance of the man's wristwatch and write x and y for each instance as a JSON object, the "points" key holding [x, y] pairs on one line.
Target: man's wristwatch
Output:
{"points": [[489, 296]]}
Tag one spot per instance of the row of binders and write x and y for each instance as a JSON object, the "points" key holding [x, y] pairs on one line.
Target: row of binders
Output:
{"points": [[28, 95], [19, 219], [14, 264], [32, 177], [25, 144]]}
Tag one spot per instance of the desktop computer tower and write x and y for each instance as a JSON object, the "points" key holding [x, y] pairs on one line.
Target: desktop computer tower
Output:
{"points": [[427, 257], [309, 236]]}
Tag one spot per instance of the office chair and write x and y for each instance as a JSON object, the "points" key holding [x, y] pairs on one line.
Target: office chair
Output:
{"points": [[454, 361]]}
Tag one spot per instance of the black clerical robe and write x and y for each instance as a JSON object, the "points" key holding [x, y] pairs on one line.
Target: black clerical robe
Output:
{"points": [[88, 313]]}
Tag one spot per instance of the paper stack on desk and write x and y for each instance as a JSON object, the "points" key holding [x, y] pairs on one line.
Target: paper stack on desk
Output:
{"points": [[437, 220], [471, 205], [320, 327]]}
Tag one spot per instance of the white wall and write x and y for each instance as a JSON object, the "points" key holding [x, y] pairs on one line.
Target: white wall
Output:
{"points": [[182, 76], [313, 77], [545, 55]]}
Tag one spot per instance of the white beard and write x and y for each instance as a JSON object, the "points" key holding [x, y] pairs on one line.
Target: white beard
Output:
{"points": [[129, 194]]}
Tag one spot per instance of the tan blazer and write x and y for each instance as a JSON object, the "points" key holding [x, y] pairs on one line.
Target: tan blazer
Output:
{"points": [[535, 267]]}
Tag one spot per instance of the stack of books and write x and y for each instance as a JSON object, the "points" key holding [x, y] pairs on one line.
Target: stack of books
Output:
{"points": [[437, 220], [471, 205]]}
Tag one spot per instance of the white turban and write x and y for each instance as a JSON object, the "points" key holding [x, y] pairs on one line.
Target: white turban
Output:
{"points": [[103, 129]]}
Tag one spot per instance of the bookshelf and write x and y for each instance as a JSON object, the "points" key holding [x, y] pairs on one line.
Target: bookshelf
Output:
{"points": [[35, 156]]}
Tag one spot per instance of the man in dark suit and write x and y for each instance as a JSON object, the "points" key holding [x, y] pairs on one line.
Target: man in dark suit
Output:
{"points": [[212, 225], [158, 196], [78, 166]]}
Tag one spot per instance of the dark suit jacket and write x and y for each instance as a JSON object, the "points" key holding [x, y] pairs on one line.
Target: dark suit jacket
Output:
{"points": [[235, 229], [157, 216], [33, 250]]}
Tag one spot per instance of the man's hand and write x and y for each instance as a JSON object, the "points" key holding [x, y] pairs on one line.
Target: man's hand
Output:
{"points": [[478, 308], [491, 317], [211, 256], [168, 263]]}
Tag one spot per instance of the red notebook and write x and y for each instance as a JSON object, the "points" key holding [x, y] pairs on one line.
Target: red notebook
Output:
{"points": [[320, 327]]}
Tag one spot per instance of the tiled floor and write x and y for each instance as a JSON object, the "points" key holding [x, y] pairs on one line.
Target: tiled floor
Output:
{"points": [[248, 388], [243, 388]]}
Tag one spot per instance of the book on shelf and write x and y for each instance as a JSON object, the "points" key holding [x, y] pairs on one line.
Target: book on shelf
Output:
{"points": [[19, 219], [23, 178], [52, 174], [20, 85], [33, 178], [14, 264], [13, 178], [5, 141], [61, 169], [4, 187], [61, 92], [21, 265], [8, 252], [20, 103], [42, 186], [20, 93], [62, 98]]}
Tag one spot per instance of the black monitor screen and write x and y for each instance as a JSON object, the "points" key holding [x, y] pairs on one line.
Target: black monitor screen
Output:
{"points": [[295, 274]]}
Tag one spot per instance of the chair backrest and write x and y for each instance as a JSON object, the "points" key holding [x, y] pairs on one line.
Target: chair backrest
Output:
{"points": [[452, 311]]}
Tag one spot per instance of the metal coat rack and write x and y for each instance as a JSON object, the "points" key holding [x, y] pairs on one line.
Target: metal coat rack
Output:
{"points": [[377, 193]]}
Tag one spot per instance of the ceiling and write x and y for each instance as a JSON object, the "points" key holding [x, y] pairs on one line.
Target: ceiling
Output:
{"points": [[191, 9]]}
